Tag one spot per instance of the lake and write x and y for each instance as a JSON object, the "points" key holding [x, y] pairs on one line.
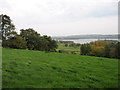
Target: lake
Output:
{"points": [[83, 41]]}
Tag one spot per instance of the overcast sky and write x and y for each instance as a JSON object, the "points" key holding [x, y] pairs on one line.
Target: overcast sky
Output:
{"points": [[63, 17]]}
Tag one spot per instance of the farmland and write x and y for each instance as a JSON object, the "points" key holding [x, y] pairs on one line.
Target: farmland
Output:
{"points": [[39, 69], [62, 47]]}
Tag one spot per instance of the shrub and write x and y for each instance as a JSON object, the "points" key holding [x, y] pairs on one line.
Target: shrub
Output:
{"points": [[16, 42]]}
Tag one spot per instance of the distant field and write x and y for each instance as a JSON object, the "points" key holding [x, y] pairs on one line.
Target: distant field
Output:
{"points": [[62, 47], [36, 69]]}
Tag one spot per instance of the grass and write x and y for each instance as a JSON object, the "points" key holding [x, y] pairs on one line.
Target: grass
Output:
{"points": [[62, 47], [36, 69]]}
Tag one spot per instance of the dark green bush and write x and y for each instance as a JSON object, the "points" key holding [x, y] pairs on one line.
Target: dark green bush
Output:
{"points": [[16, 42]]}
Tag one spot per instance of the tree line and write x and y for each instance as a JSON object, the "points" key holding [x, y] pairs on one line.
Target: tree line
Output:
{"points": [[105, 48], [27, 39]]}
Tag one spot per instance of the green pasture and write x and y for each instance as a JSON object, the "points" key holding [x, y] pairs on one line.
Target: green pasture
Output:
{"points": [[37, 69], [62, 47]]}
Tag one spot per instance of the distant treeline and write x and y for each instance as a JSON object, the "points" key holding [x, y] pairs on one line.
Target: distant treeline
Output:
{"points": [[27, 39], [66, 42], [92, 36], [104, 48]]}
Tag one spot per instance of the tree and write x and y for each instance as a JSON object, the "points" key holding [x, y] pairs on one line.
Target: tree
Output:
{"points": [[85, 49], [52, 44], [107, 51], [82, 49], [16, 42], [28, 32], [78, 44], [37, 42], [66, 45], [31, 37], [6, 26], [117, 50], [99, 51], [112, 53]]}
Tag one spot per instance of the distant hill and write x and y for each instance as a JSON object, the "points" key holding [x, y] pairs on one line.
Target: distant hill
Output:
{"points": [[90, 36]]}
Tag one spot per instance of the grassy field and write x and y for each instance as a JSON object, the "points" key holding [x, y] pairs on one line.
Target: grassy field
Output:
{"points": [[36, 69], [62, 47]]}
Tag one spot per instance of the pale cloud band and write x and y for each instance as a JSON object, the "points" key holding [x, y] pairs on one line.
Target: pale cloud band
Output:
{"points": [[63, 17]]}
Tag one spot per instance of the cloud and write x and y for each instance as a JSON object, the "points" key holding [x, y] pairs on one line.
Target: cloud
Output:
{"points": [[102, 25], [4, 6], [42, 13]]}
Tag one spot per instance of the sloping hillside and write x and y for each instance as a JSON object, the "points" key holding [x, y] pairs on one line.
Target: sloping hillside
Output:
{"points": [[36, 69]]}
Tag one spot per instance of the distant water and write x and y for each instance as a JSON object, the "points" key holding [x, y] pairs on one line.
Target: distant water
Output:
{"points": [[83, 41]]}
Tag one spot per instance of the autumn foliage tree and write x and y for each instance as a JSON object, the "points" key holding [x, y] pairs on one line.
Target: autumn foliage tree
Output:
{"points": [[103, 48]]}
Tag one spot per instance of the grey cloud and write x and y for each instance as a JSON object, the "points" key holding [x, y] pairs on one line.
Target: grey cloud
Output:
{"points": [[49, 15], [4, 5]]}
